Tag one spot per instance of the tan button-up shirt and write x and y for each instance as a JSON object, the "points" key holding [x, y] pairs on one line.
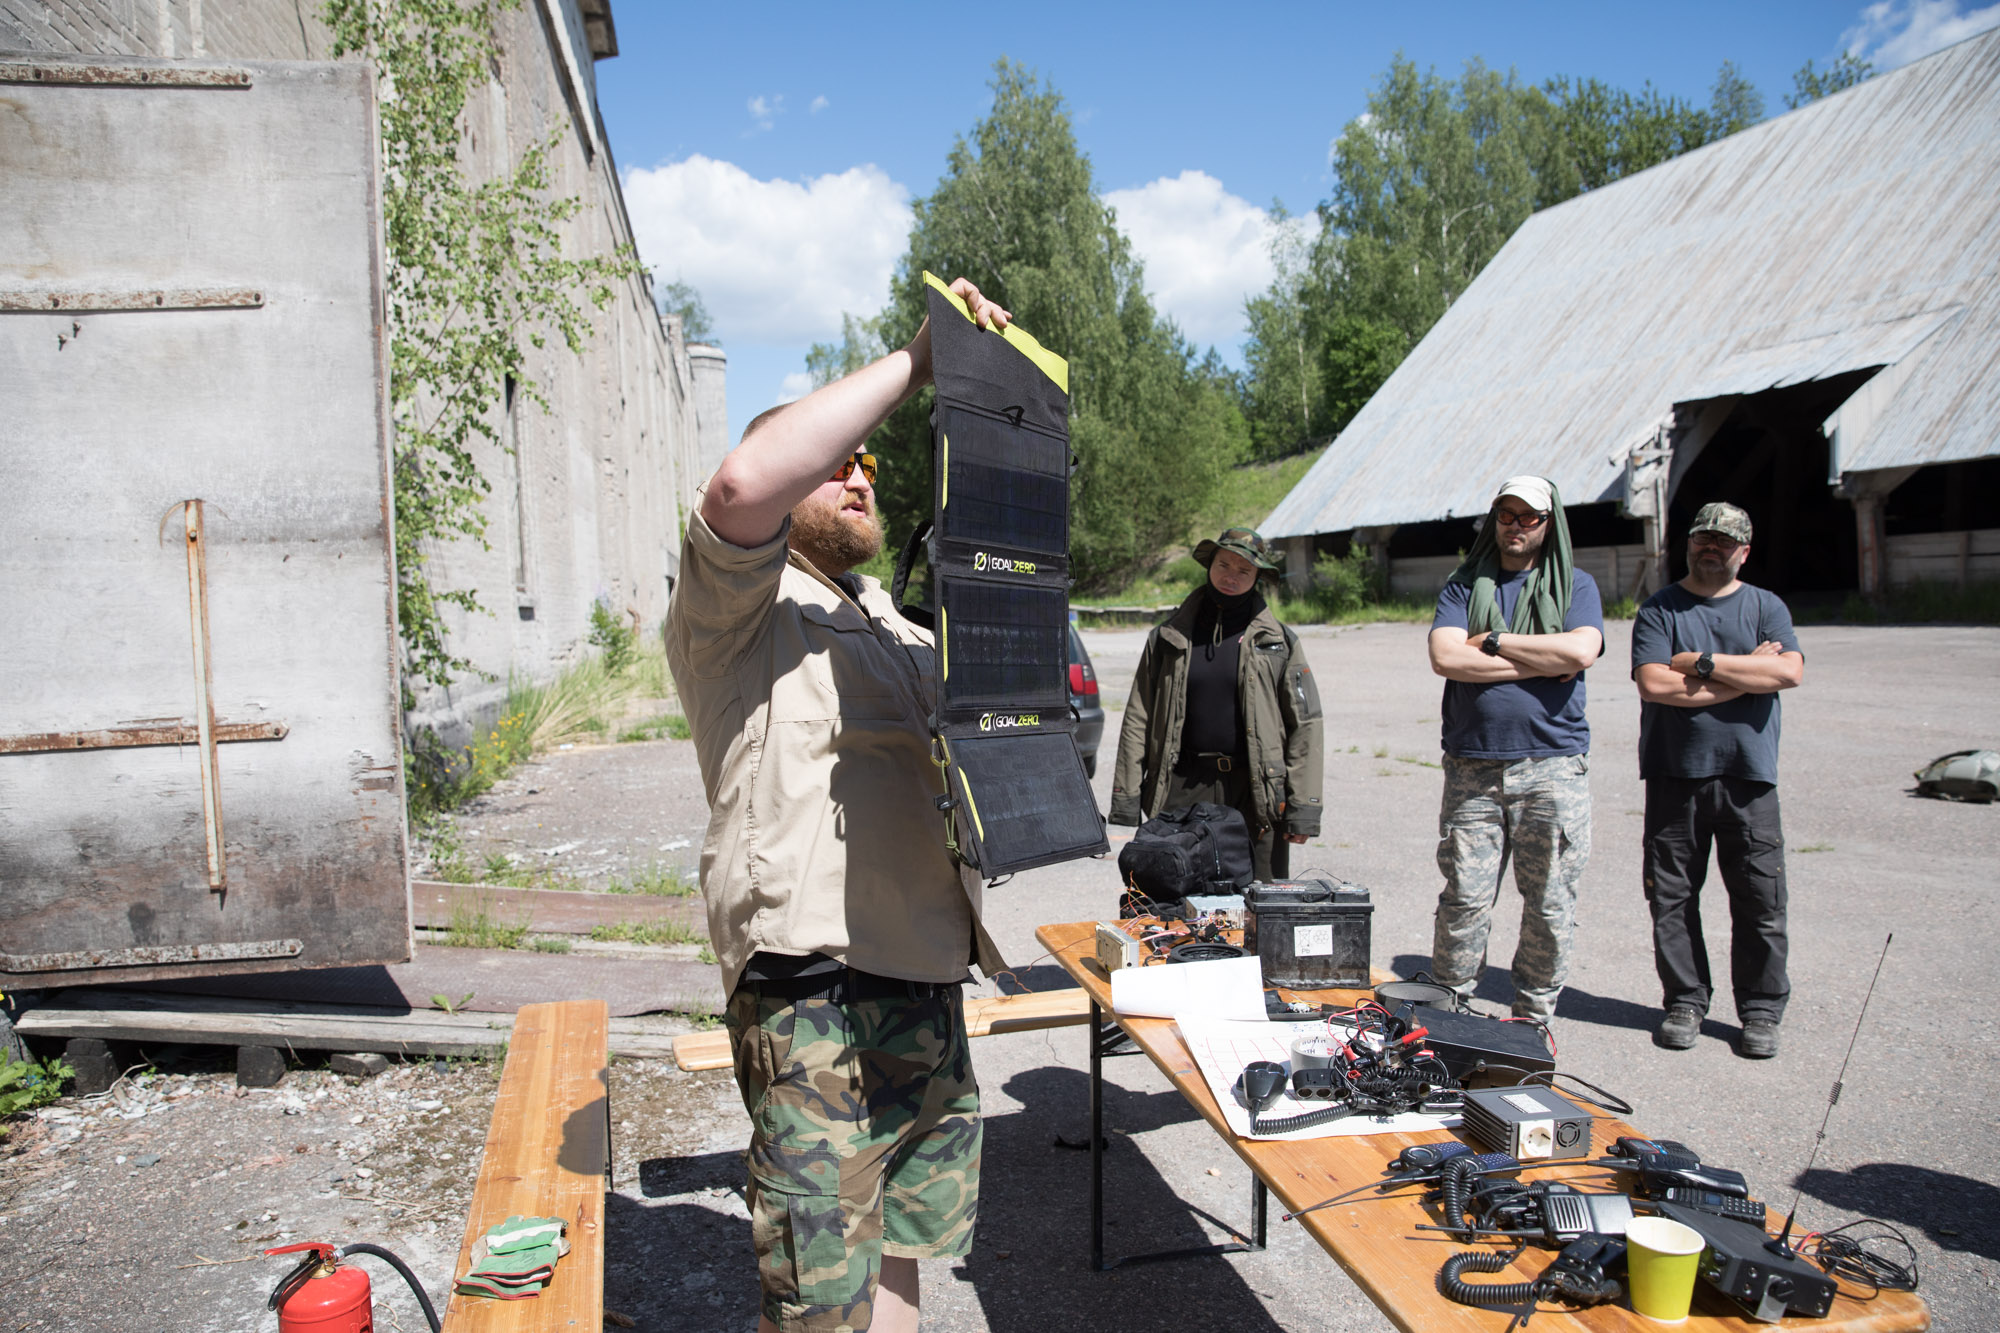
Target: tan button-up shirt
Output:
{"points": [[810, 713]]}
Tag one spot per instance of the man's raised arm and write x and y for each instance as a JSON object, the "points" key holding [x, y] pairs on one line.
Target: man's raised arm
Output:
{"points": [[788, 452]]}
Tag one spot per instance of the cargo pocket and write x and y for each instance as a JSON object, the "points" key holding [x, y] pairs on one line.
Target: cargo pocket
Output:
{"points": [[797, 1225]]}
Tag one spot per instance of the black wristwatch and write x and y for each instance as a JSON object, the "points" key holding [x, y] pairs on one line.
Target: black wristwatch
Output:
{"points": [[1490, 645], [1704, 666]]}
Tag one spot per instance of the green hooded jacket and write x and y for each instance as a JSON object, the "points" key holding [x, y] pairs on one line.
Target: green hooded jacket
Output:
{"points": [[1281, 713]]}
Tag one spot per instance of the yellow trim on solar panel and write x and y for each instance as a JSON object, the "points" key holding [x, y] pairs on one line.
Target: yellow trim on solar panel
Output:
{"points": [[1019, 338]]}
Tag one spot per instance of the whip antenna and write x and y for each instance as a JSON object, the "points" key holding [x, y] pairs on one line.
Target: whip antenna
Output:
{"points": [[1782, 1245]]}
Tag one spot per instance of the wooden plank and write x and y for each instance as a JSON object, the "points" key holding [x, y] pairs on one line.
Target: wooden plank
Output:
{"points": [[984, 1017], [222, 1021], [1373, 1237], [560, 911], [548, 1154]]}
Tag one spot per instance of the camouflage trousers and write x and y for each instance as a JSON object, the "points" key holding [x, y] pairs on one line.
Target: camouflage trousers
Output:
{"points": [[865, 1141], [1536, 811]]}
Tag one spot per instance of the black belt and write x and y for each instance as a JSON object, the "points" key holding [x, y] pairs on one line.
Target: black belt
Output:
{"points": [[851, 986], [1212, 762]]}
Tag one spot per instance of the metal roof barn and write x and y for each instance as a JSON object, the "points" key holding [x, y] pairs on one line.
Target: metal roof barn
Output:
{"points": [[1859, 231]]}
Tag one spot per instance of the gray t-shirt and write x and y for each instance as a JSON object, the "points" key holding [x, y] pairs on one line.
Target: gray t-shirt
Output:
{"points": [[1737, 739]]}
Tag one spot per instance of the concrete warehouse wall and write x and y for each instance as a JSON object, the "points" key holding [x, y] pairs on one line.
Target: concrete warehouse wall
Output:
{"points": [[591, 502]]}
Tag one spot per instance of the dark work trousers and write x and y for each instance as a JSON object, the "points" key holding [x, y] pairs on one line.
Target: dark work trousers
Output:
{"points": [[1739, 818], [1199, 780]]}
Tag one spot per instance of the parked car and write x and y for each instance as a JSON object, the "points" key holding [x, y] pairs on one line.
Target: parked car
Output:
{"points": [[1083, 698]]}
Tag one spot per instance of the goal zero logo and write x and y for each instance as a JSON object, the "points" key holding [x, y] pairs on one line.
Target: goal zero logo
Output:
{"points": [[1000, 564], [1008, 721]]}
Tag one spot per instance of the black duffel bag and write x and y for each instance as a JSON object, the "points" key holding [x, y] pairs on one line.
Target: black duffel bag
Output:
{"points": [[1202, 849]]}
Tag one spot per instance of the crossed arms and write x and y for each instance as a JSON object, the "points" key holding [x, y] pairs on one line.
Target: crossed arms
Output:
{"points": [[1455, 655], [1765, 669]]}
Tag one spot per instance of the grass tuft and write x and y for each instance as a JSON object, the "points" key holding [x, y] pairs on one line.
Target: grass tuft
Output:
{"points": [[671, 725], [658, 881], [474, 925], [648, 932]]}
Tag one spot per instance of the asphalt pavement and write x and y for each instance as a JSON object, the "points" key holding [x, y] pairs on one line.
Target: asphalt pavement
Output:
{"points": [[1913, 1140]]}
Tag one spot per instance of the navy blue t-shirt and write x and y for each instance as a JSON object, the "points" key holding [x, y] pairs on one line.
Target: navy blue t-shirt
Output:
{"points": [[1737, 739], [1518, 719]]}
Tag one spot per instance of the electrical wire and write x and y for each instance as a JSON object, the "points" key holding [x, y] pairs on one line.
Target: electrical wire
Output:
{"points": [[1860, 1259]]}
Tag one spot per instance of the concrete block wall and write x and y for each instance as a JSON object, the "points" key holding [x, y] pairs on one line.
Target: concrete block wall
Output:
{"points": [[589, 497]]}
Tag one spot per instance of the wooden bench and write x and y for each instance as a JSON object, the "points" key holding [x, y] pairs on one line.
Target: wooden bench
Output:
{"points": [[986, 1016], [548, 1154]]}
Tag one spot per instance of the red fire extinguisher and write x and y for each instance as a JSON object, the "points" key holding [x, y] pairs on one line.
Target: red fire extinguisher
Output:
{"points": [[323, 1295]]}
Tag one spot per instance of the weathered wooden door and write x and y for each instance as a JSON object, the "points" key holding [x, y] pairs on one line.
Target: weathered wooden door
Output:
{"points": [[200, 760]]}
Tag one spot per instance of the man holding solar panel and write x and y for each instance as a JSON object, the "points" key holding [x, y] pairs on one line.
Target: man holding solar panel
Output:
{"points": [[842, 923]]}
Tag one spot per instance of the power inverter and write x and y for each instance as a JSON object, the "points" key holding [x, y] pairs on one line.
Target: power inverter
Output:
{"points": [[1531, 1123]]}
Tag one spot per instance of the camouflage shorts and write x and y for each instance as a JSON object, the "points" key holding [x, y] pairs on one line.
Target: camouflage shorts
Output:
{"points": [[865, 1141]]}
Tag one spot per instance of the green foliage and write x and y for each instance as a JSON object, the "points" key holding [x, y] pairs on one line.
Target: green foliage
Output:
{"points": [[449, 1005], [1977, 603], [671, 725], [612, 635], [658, 881], [1283, 383], [860, 343], [475, 924], [551, 944], [437, 778], [1017, 212], [680, 298], [648, 932], [475, 275], [1840, 74], [1348, 590], [26, 1084], [1429, 184]]}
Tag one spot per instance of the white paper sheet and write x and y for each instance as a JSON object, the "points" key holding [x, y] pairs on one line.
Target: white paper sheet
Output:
{"points": [[1224, 988], [1223, 1048]]}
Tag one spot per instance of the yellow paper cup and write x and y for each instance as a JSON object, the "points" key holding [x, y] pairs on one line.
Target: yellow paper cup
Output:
{"points": [[1661, 1256]]}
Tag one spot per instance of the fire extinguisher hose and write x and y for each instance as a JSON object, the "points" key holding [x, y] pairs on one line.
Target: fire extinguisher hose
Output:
{"points": [[416, 1287]]}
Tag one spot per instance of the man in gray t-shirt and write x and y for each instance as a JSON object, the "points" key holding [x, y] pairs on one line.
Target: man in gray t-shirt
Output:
{"points": [[1710, 655]]}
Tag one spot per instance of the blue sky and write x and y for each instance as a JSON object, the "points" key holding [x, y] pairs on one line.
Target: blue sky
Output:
{"points": [[770, 153]]}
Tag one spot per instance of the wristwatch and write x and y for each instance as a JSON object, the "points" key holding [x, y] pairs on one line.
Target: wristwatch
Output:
{"points": [[1490, 645], [1704, 666]]}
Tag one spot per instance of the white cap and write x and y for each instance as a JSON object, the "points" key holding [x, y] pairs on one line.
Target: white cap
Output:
{"points": [[1535, 492]]}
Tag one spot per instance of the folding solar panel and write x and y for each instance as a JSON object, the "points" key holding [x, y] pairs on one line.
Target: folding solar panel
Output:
{"points": [[999, 555]]}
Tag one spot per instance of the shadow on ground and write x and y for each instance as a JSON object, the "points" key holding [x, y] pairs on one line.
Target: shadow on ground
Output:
{"points": [[1496, 990], [1956, 1212], [684, 1263]]}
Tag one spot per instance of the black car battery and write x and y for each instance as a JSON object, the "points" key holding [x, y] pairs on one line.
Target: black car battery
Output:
{"points": [[1309, 933]]}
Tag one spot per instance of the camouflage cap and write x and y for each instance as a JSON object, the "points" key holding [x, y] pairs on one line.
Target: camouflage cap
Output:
{"points": [[1246, 542], [1724, 518]]}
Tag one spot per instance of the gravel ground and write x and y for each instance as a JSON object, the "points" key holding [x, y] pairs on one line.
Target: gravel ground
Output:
{"points": [[1912, 1140]]}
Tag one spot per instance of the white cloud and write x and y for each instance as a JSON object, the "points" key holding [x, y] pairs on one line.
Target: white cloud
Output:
{"points": [[1894, 32], [795, 386], [775, 261], [819, 104], [1205, 250], [764, 112]]}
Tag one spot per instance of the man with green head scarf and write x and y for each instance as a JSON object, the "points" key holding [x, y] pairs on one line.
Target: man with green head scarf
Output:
{"points": [[1516, 626]]}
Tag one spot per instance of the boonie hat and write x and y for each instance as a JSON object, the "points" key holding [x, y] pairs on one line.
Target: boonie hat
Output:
{"points": [[1535, 492], [1724, 518], [1246, 542]]}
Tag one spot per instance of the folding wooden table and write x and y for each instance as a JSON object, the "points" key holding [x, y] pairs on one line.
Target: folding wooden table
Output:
{"points": [[1375, 1237]]}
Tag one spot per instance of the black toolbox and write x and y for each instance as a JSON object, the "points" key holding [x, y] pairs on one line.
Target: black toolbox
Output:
{"points": [[1309, 933]]}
